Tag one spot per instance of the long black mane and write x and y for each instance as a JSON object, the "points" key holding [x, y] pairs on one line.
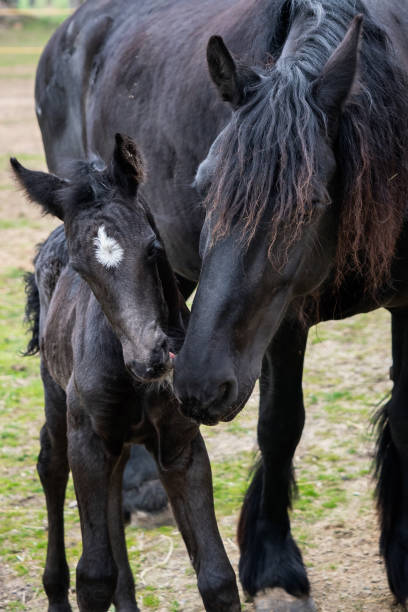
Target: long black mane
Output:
{"points": [[276, 133]]}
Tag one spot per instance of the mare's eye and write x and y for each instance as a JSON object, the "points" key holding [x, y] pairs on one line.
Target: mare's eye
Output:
{"points": [[154, 250], [321, 204]]}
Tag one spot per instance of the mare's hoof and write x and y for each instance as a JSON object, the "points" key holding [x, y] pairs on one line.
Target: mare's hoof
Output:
{"points": [[277, 600]]}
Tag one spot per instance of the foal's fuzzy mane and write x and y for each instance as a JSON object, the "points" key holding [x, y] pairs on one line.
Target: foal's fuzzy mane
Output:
{"points": [[89, 181], [270, 145]]}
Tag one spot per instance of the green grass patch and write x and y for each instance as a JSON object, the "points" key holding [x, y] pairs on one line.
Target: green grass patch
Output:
{"points": [[37, 159], [230, 480], [29, 31]]}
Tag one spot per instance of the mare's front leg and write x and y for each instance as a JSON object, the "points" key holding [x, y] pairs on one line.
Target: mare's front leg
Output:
{"points": [[53, 470], [392, 465], [270, 558], [93, 465], [188, 482]]}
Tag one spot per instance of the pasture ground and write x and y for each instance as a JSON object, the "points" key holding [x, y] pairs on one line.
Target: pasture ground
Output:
{"points": [[346, 378]]}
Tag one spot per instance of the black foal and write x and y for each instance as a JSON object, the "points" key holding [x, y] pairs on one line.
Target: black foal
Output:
{"points": [[106, 320]]}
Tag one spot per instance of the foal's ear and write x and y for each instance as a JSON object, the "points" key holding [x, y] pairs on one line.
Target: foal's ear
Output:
{"points": [[127, 164], [231, 78], [40, 187], [333, 87]]}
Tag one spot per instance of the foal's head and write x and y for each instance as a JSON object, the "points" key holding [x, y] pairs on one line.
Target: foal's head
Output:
{"points": [[114, 247]]}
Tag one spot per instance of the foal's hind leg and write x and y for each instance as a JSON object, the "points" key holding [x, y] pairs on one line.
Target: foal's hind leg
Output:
{"points": [[53, 470], [392, 466], [270, 558]]}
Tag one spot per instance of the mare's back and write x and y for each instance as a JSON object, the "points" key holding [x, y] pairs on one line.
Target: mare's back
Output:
{"points": [[140, 68]]}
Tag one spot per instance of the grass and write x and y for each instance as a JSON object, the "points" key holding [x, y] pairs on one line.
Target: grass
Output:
{"points": [[21, 42], [27, 31]]}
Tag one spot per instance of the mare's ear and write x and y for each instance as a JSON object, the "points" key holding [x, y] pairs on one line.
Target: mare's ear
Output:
{"points": [[333, 87], [40, 187], [231, 78], [127, 164]]}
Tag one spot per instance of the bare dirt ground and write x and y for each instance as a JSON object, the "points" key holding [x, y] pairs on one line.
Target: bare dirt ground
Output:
{"points": [[20, 137], [340, 546]]}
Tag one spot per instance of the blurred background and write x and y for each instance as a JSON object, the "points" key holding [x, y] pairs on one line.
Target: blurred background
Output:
{"points": [[346, 378]]}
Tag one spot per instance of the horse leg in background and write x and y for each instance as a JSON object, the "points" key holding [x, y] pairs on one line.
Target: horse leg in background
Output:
{"points": [[53, 470], [92, 466], [188, 483], [142, 489], [392, 465], [124, 598], [270, 558]]}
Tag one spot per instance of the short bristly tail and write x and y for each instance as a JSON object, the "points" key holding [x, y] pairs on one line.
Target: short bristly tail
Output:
{"points": [[32, 313]]}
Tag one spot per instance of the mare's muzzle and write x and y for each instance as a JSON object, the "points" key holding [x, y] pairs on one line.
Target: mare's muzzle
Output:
{"points": [[205, 400]]}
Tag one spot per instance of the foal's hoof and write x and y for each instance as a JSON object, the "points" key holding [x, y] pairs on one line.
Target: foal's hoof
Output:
{"points": [[277, 600]]}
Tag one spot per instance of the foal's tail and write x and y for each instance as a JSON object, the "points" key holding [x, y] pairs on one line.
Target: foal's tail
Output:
{"points": [[32, 313]]}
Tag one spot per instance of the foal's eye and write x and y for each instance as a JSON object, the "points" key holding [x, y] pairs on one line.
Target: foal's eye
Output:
{"points": [[154, 250]]}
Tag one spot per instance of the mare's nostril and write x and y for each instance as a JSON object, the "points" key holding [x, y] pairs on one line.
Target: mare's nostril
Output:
{"points": [[223, 393]]}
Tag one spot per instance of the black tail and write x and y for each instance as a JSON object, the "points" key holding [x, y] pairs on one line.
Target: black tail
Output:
{"points": [[32, 313], [390, 504], [387, 472]]}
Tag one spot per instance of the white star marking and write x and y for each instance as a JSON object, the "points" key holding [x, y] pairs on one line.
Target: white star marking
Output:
{"points": [[108, 252]]}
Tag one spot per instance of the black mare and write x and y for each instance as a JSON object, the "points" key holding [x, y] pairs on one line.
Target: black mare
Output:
{"points": [[305, 186], [106, 313]]}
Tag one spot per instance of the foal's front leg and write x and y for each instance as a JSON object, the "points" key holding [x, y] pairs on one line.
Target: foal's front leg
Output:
{"points": [[188, 484], [124, 598], [92, 466], [270, 558]]}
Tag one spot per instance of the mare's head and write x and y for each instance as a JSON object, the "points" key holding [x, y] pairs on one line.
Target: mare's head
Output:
{"points": [[114, 246], [269, 235]]}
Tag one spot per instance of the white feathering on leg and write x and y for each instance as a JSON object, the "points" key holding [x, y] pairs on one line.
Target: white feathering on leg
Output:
{"points": [[108, 252]]}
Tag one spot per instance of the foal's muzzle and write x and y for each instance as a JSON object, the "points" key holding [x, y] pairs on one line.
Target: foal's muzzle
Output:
{"points": [[156, 367], [151, 373]]}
